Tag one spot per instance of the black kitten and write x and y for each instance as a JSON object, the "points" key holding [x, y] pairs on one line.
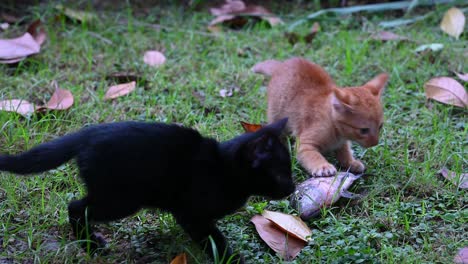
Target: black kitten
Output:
{"points": [[132, 165]]}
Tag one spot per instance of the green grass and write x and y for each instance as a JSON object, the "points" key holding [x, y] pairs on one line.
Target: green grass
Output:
{"points": [[409, 214]]}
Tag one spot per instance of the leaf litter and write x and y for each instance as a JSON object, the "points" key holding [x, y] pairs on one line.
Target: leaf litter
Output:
{"points": [[154, 58], [61, 99], [453, 22], [460, 180], [119, 90], [285, 245], [462, 76], [234, 14], [17, 49], [446, 90], [266, 67]]}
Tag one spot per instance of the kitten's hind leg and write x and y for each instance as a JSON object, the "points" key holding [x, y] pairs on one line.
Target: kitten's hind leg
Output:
{"points": [[79, 214]]}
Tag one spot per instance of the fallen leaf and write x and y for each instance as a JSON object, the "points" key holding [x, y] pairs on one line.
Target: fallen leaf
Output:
{"points": [[386, 36], [313, 31], [446, 90], [37, 31], [21, 47], [180, 259], [236, 11], [17, 49], [291, 224], [266, 67], [248, 127], [228, 7], [77, 15], [119, 90], [287, 246], [61, 100], [463, 77], [154, 58], [462, 256], [228, 92], [19, 106], [433, 47], [453, 22], [460, 180]]}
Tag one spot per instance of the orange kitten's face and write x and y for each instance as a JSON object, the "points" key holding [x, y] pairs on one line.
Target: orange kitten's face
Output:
{"points": [[358, 111]]}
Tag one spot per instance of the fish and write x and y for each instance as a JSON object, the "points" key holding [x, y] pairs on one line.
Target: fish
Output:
{"points": [[313, 194]]}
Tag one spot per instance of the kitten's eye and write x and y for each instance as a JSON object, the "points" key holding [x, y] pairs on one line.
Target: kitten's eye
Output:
{"points": [[364, 131]]}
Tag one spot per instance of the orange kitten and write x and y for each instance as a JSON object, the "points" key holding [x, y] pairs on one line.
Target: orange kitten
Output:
{"points": [[324, 117]]}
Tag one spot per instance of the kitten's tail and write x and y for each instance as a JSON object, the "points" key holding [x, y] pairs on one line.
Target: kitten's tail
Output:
{"points": [[43, 157]]}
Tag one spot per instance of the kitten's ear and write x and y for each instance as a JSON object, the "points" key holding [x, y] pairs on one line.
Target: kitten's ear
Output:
{"points": [[278, 127], [377, 85], [339, 104]]}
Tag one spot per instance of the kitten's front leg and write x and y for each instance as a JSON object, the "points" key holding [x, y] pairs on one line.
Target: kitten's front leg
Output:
{"points": [[313, 161], [344, 155]]}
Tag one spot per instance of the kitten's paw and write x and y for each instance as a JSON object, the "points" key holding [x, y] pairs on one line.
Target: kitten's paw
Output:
{"points": [[356, 166], [324, 170]]}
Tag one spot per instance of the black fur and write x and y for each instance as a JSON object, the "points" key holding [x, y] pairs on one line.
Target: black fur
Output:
{"points": [[131, 165]]}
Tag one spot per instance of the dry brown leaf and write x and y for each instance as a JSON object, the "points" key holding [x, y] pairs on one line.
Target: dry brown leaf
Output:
{"points": [[154, 58], [17, 49], [463, 77], [234, 13], [460, 180], [287, 246], [248, 127], [37, 31], [180, 259], [453, 22], [291, 224], [119, 90], [446, 90], [19, 106], [228, 7], [462, 256], [266, 67], [387, 35], [313, 31], [61, 100]]}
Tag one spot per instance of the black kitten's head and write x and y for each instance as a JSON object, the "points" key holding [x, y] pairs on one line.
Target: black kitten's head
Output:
{"points": [[268, 162]]}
